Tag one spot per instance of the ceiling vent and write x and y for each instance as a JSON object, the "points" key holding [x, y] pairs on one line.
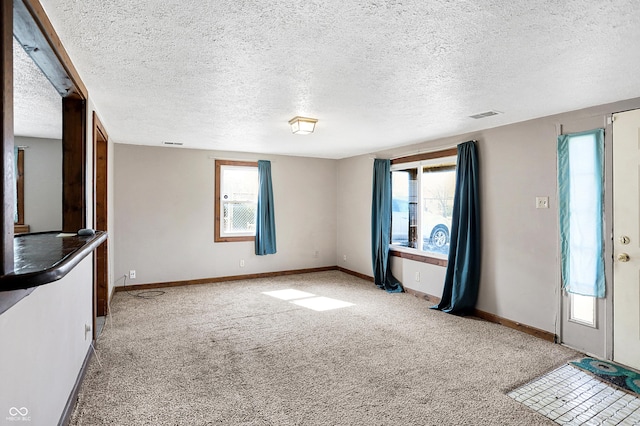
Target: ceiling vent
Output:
{"points": [[172, 143], [485, 114]]}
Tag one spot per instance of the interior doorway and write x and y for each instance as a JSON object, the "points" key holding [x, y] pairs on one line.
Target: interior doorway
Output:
{"points": [[100, 211]]}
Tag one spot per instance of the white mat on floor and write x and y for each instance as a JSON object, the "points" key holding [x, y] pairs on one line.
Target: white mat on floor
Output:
{"points": [[569, 396]]}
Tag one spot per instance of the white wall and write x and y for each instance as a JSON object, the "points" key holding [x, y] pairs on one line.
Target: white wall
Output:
{"points": [[42, 183], [355, 181], [520, 266], [44, 346], [164, 215]]}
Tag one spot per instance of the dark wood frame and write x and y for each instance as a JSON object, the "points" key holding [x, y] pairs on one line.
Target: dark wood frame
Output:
{"points": [[418, 257], [20, 186], [411, 159], [426, 156], [216, 232], [74, 155], [39, 268], [100, 218], [28, 22], [6, 128], [33, 28]]}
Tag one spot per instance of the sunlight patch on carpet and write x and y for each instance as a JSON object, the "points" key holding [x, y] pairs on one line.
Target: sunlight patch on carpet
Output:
{"points": [[322, 303], [288, 294], [308, 300]]}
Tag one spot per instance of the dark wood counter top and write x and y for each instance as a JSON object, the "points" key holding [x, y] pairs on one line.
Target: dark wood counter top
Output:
{"points": [[42, 258]]}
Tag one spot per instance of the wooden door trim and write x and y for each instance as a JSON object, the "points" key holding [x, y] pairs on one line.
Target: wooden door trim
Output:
{"points": [[33, 28], [99, 127], [6, 129], [20, 186], [100, 216]]}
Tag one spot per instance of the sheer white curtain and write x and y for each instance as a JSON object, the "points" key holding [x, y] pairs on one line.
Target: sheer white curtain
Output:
{"points": [[580, 181]]}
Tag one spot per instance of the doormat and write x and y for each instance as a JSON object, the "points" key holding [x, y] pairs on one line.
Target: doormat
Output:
{"points": [[609, 372]]}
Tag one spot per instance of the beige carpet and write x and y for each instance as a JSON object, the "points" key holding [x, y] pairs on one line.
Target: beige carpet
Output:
{"points": [[227, 354]]}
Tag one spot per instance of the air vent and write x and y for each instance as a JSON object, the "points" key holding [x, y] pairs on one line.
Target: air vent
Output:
{"points": [[172, 143], [485, 114]]}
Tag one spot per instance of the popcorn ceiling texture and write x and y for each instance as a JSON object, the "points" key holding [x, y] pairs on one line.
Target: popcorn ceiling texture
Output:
{"points": [[37, 105], [375, 73]]}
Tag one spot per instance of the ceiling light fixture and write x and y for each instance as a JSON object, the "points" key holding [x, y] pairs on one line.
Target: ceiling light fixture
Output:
{"points": [[302, 125]]}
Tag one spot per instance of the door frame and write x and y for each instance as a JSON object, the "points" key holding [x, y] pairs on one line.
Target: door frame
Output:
{"points": [[100, 220]]}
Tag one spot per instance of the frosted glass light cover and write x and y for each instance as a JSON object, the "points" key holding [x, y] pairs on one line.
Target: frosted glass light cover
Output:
{"points": [[302, 125]]}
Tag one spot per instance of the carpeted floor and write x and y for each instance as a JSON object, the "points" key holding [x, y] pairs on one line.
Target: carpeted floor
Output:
{"points": [[228, 354]]}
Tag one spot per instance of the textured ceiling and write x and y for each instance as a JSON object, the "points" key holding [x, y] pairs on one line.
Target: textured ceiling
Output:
{"points": [[37, 105], [229, 74]]}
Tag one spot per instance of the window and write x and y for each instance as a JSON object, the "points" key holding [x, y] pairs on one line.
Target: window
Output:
{"points": [[582, 309], [236, 200], [422, 202], [580, 180]]}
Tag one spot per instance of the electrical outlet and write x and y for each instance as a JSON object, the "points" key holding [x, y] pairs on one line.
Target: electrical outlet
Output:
{"points": [[242, 263], [132, 274], [417, 276], [344, 257], [542, 202], [87, 330], [316, 253]]}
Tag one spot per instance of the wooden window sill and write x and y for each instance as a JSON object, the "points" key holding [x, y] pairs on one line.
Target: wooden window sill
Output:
{"points": [[20, 229], [418, 257], [234, 239]]}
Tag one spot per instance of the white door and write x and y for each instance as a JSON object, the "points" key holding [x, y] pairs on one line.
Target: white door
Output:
{"points": [[626, 238]]}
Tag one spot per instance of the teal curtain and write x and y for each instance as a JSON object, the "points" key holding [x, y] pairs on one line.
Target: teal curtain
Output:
{"points": [[580, 189], [462, 277], [381, 227], [265, 221]]}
